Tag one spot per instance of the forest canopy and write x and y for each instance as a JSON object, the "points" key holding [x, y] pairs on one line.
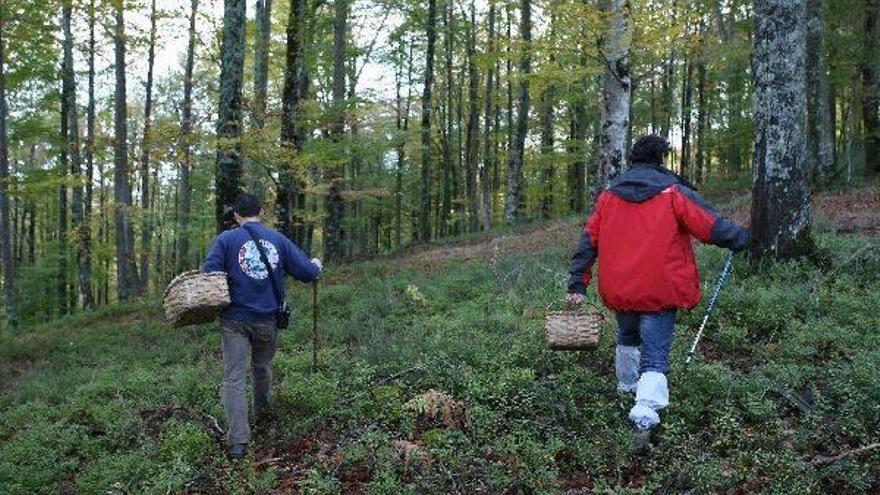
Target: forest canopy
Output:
{"points": [[366, 126]]}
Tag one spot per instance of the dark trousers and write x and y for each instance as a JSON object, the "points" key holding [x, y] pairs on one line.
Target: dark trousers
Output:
{"points": [[243, 341], [652, 332]]}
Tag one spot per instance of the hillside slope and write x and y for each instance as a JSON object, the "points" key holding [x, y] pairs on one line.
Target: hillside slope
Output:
{"points": [[434, 378]]}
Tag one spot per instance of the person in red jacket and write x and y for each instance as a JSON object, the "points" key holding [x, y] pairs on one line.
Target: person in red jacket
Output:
{"points": [[640, 231]]}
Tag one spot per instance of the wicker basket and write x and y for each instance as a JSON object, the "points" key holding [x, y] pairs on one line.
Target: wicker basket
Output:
{"points": [[194, 298], [573, 330]]}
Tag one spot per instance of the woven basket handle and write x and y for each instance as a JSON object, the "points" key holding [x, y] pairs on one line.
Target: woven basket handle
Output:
{"points": [[583, 307]]}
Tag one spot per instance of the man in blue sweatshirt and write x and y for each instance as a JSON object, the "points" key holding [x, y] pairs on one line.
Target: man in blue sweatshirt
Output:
{"points": [[248, 324]]}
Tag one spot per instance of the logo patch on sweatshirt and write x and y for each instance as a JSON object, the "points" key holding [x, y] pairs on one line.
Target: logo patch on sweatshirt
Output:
{"points": [[250, 262]]}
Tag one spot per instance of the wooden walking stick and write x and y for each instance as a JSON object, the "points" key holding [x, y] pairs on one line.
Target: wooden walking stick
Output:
{"points": [[315, 326]]}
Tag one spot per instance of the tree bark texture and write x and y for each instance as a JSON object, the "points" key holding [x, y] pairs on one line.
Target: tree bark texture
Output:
{"points": [[513, 208], [184, 197], [427, 110], [472, 149], [6, 260], [146, 211], [871, 85], [616, 93], [261, 61], [335, 208], [229, 115], [84, 288], [126, 267], [781, 195], [290, 195], [820, 129], [489, 145]]}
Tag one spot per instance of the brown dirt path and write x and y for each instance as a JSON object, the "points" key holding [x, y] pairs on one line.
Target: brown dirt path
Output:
{"points": [[848, 212]]}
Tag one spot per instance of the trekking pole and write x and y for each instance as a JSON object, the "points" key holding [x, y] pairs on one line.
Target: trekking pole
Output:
{"points": [[315, 326], [725, 273]]}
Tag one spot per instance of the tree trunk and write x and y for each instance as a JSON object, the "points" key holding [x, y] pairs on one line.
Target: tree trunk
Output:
{"points": [[702, 110], [261, 61], [686, 105], [547, 144], [104, 234], [473, 126], [580, 128], [447, 117], [32, 233], [6, 260], [229, 159], [402, 127], [425, 209], [667, 84], [548, 103], [781, 194], [86, 232], [290, 195], [489, 145], [871, 86], [126, 267], [16, 227], [73, 147], [63, 167], [146, 212], [459, 187], [184, 197], [820, 130], [509, 74], [513, 208], [333, 242], [616, 94]]}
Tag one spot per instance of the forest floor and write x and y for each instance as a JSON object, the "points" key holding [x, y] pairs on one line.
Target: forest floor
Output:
{"points": [[434, 378]]}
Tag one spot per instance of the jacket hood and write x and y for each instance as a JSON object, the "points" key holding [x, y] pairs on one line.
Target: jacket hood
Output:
{"points": [[643, 181]]}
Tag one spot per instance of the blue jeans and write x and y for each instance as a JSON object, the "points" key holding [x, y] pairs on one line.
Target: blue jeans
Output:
{"points": [[650, 331]]}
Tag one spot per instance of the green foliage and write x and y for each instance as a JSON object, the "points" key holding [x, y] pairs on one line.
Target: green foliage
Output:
{"points": [[787, 375]]}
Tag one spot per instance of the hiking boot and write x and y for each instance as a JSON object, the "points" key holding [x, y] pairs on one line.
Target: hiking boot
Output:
{"points": [[641, 445], [238, 450]]}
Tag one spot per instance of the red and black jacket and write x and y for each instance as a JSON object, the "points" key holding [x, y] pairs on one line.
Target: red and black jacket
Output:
{"points": [[640, 231]]}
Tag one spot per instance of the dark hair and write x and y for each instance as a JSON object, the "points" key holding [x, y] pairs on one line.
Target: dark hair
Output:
{"points": [[649, 149], [247, 205]]}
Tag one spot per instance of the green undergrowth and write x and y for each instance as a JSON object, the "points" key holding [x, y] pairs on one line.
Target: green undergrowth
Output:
{"points": [[116, 402]]}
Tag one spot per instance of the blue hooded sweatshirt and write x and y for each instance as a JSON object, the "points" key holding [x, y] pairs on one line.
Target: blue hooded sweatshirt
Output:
{"points": [[250, 290]]}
